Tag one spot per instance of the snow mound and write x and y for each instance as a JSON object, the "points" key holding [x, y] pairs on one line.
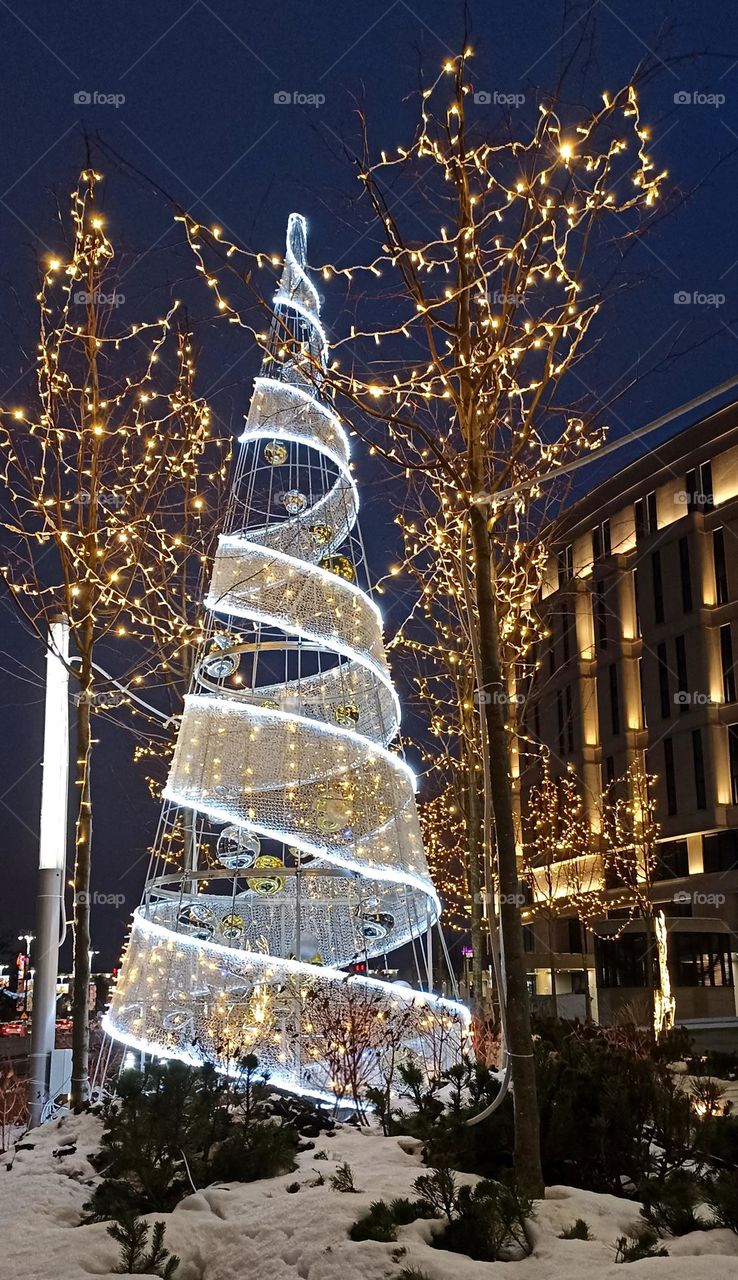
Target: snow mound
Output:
{"points": [[263, 1231]]}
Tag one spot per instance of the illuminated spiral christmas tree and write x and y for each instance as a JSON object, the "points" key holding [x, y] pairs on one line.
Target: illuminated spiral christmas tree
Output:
{"points": [[296, 824]]}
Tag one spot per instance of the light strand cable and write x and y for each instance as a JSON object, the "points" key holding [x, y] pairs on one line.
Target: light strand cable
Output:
{"points": [[487, 499]]}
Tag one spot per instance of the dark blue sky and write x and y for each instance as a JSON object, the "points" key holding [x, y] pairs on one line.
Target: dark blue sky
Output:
{"points": [[195, 119]]}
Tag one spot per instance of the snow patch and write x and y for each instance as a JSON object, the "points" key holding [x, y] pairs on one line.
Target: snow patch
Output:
{"points": [[260, 1230]]}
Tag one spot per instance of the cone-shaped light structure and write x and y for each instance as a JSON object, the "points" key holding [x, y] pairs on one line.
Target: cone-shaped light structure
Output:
{"points": [[295, 823]]}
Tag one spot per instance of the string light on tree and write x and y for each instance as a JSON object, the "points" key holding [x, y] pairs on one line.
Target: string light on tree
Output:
{"points": [[466, 390], [103, 471]]}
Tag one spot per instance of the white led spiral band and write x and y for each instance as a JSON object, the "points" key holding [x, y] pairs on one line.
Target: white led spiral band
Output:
{"points": [[299, 766]]}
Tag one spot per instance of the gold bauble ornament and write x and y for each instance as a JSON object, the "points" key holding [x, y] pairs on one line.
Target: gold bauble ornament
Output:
{"points": [[333, 814], [267, 886], [232, 927], [340, 565], [346, 714], [321, 534], [275, 453]]}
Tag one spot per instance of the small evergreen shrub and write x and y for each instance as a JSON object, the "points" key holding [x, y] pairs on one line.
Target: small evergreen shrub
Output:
{"points": [[469, 1086], [670, 1125], [717, 1139], [673, 1045], [669, 1204], [162, 1122], [383, 1219], [721, 1194], [137, 1256], [250, 1065], [415, 1085], [609, 1114], [377, 1224], [380, 1099], [579, 1230], [641, 1244], [601, 1106], [262, 1149], [343, 1179], [405, 1211], [483, 1085], [489, 1223], [173, 1126], [485, 1149], [413, 1273], [438, 1191]]}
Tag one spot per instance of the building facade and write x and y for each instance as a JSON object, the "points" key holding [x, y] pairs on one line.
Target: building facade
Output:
{"points": [[641, 605]]}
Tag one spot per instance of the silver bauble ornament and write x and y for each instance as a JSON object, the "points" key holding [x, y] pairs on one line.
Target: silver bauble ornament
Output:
{"points": [[198, 921], [236, 848], [294, 502]]}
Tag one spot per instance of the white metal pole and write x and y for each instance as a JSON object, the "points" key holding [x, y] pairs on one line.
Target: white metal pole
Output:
{"points": [[51, 864], [429, 951]]}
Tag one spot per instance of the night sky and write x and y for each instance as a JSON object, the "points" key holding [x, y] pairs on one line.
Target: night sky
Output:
{"points": [[195, 123]]}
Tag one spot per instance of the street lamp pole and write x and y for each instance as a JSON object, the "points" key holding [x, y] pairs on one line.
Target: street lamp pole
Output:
{"points": [[52, 861]]}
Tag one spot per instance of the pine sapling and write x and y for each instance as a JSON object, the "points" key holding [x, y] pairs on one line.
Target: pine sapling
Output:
{"points": [[137, 1257], [642, 1244], [438, 1190], [343, 1179], [579, 1230]]}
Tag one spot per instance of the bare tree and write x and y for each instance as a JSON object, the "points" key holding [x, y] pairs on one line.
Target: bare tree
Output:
{"points": [[102, 475], [498, 263], [435, 642], [631, 860], [563, 857]]}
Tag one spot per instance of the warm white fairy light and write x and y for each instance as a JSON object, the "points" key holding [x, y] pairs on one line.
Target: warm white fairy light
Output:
{"points": [[497, 304], [304, 764]]}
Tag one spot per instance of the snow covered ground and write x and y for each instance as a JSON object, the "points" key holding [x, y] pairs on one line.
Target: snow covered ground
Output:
{"points": [[260, 1231]]}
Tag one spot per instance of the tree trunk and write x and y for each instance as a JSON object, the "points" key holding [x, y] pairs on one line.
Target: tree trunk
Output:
{"points": [[653, 976], [527, 1158], [587, 993], [188, 815], [84, 633], [476, 888], [81, 881]]}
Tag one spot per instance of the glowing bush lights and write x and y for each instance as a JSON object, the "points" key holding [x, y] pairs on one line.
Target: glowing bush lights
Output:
{"points": [[284, 745]]}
